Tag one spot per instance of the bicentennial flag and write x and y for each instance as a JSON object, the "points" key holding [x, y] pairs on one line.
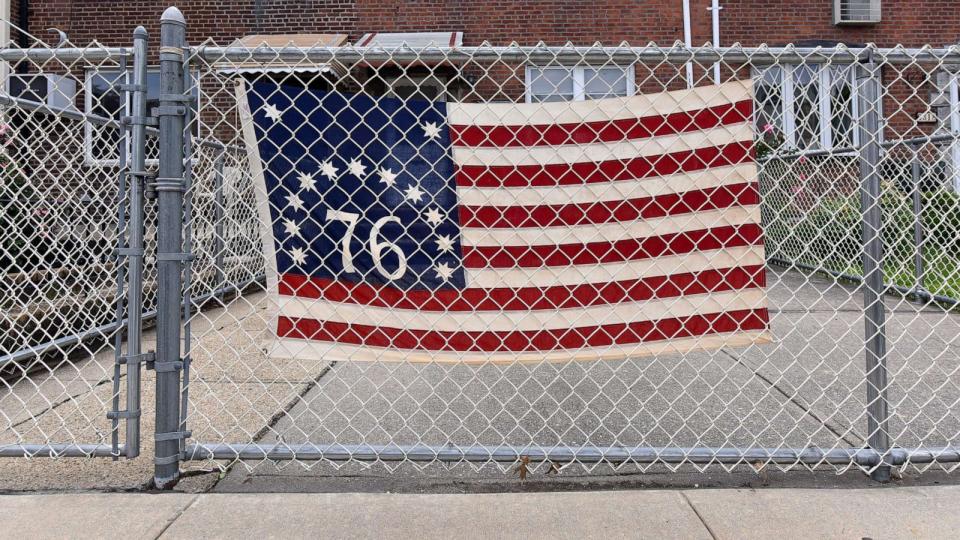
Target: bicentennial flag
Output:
{"points": [[499, 232]]}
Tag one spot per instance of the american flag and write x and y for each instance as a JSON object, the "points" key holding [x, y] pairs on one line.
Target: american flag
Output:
{"points": [[473, 232]]}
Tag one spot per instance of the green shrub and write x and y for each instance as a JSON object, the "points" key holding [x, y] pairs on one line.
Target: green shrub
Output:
{"points": [[941, 218]]}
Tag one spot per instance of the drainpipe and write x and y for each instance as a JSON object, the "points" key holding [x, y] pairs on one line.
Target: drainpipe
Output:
{"points": [[715, 16], [688, 40], [258, 16], [5, 25]]}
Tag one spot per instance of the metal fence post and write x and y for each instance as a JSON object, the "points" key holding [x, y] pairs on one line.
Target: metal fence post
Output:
{"points": [[170, 258], [916, 195], [123, 286], [138, 144], [218, 240], [868, 84]]}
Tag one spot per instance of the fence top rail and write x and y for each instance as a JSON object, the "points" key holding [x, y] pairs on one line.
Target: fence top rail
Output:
{"points": [[652, 53], [94, 53], [677, 54]]}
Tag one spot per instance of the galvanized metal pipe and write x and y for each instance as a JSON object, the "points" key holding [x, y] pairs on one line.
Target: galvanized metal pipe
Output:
{"points": [[138, 143], [866, 457], [676, 54], [123, 205], [64, 54], [59, 450], [868, 87], [918, 240], [218, 209], [187, 248], [170, 188]]}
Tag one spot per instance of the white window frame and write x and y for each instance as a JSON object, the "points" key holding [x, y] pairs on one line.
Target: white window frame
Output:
{"points": [[579, 85], [954, 96], [88, 157], [825, 83]]}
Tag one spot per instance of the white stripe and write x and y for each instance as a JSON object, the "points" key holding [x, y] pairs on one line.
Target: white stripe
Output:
{"points": [[608, 191], [488, 278], [610, 232], [523, 320], [598, 110], [339, 352], [602, 151]]}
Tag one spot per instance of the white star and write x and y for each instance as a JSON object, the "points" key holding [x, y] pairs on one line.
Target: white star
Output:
{"points": [[291, 227], [327, 169], [443, 271], [444, 243], [433, 216], [298, 255], [356, 168], [307, 182], [431, 130], [295, 201], [413, 193], [272, 112], [387, 176]]}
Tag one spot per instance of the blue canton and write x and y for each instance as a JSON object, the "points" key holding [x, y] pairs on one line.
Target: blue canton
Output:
{"points": [[361, 189]]}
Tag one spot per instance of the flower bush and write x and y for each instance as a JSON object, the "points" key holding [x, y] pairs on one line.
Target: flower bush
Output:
{"points": [[769, 142]]}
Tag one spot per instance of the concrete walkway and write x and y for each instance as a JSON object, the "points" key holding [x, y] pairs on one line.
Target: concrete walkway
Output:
{"points": [[806, 389], [927, 512]]}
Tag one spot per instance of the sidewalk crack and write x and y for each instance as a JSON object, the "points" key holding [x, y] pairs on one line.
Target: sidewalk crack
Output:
{"points": [[699, 516], [176, 515], [794, 400]]}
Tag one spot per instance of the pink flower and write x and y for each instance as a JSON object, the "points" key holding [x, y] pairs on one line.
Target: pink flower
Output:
{"points": [[796, 190], [803, 177], [768, 128], [802, 159], [4, 128]]}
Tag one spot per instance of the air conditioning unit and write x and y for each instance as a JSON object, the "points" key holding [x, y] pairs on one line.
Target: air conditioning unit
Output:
{"points": [[856, 11], [54, 91]]}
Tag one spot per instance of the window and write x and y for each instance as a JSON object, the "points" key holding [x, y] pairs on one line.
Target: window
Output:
{"points": [[808, 107], [559, 83], [103, 98]]}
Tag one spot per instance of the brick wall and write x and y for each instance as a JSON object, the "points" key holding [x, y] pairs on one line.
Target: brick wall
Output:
{"points": [[751, 22]]}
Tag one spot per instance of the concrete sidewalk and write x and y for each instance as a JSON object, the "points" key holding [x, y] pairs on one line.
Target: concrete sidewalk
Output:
{"points": [[927, 512]]}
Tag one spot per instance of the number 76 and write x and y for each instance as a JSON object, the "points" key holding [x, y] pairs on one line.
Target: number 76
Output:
{"points": [[376, 248]]}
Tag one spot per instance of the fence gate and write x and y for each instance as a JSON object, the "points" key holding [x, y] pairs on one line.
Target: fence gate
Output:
{"points": [[623, 258], [72, 224]]}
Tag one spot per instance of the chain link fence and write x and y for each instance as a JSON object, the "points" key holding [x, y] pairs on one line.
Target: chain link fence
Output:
{"points": [[799, 401], [857, 203]]}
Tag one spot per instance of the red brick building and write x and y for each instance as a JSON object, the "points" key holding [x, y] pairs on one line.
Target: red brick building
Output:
{"points": [[793, 100], [750, 22]]}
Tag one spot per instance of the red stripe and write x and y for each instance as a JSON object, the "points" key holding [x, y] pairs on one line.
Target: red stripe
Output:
{"points": [[602, 131], [524, 341], [588, 172], [526, 298], [553, 215], [630, 249]]}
